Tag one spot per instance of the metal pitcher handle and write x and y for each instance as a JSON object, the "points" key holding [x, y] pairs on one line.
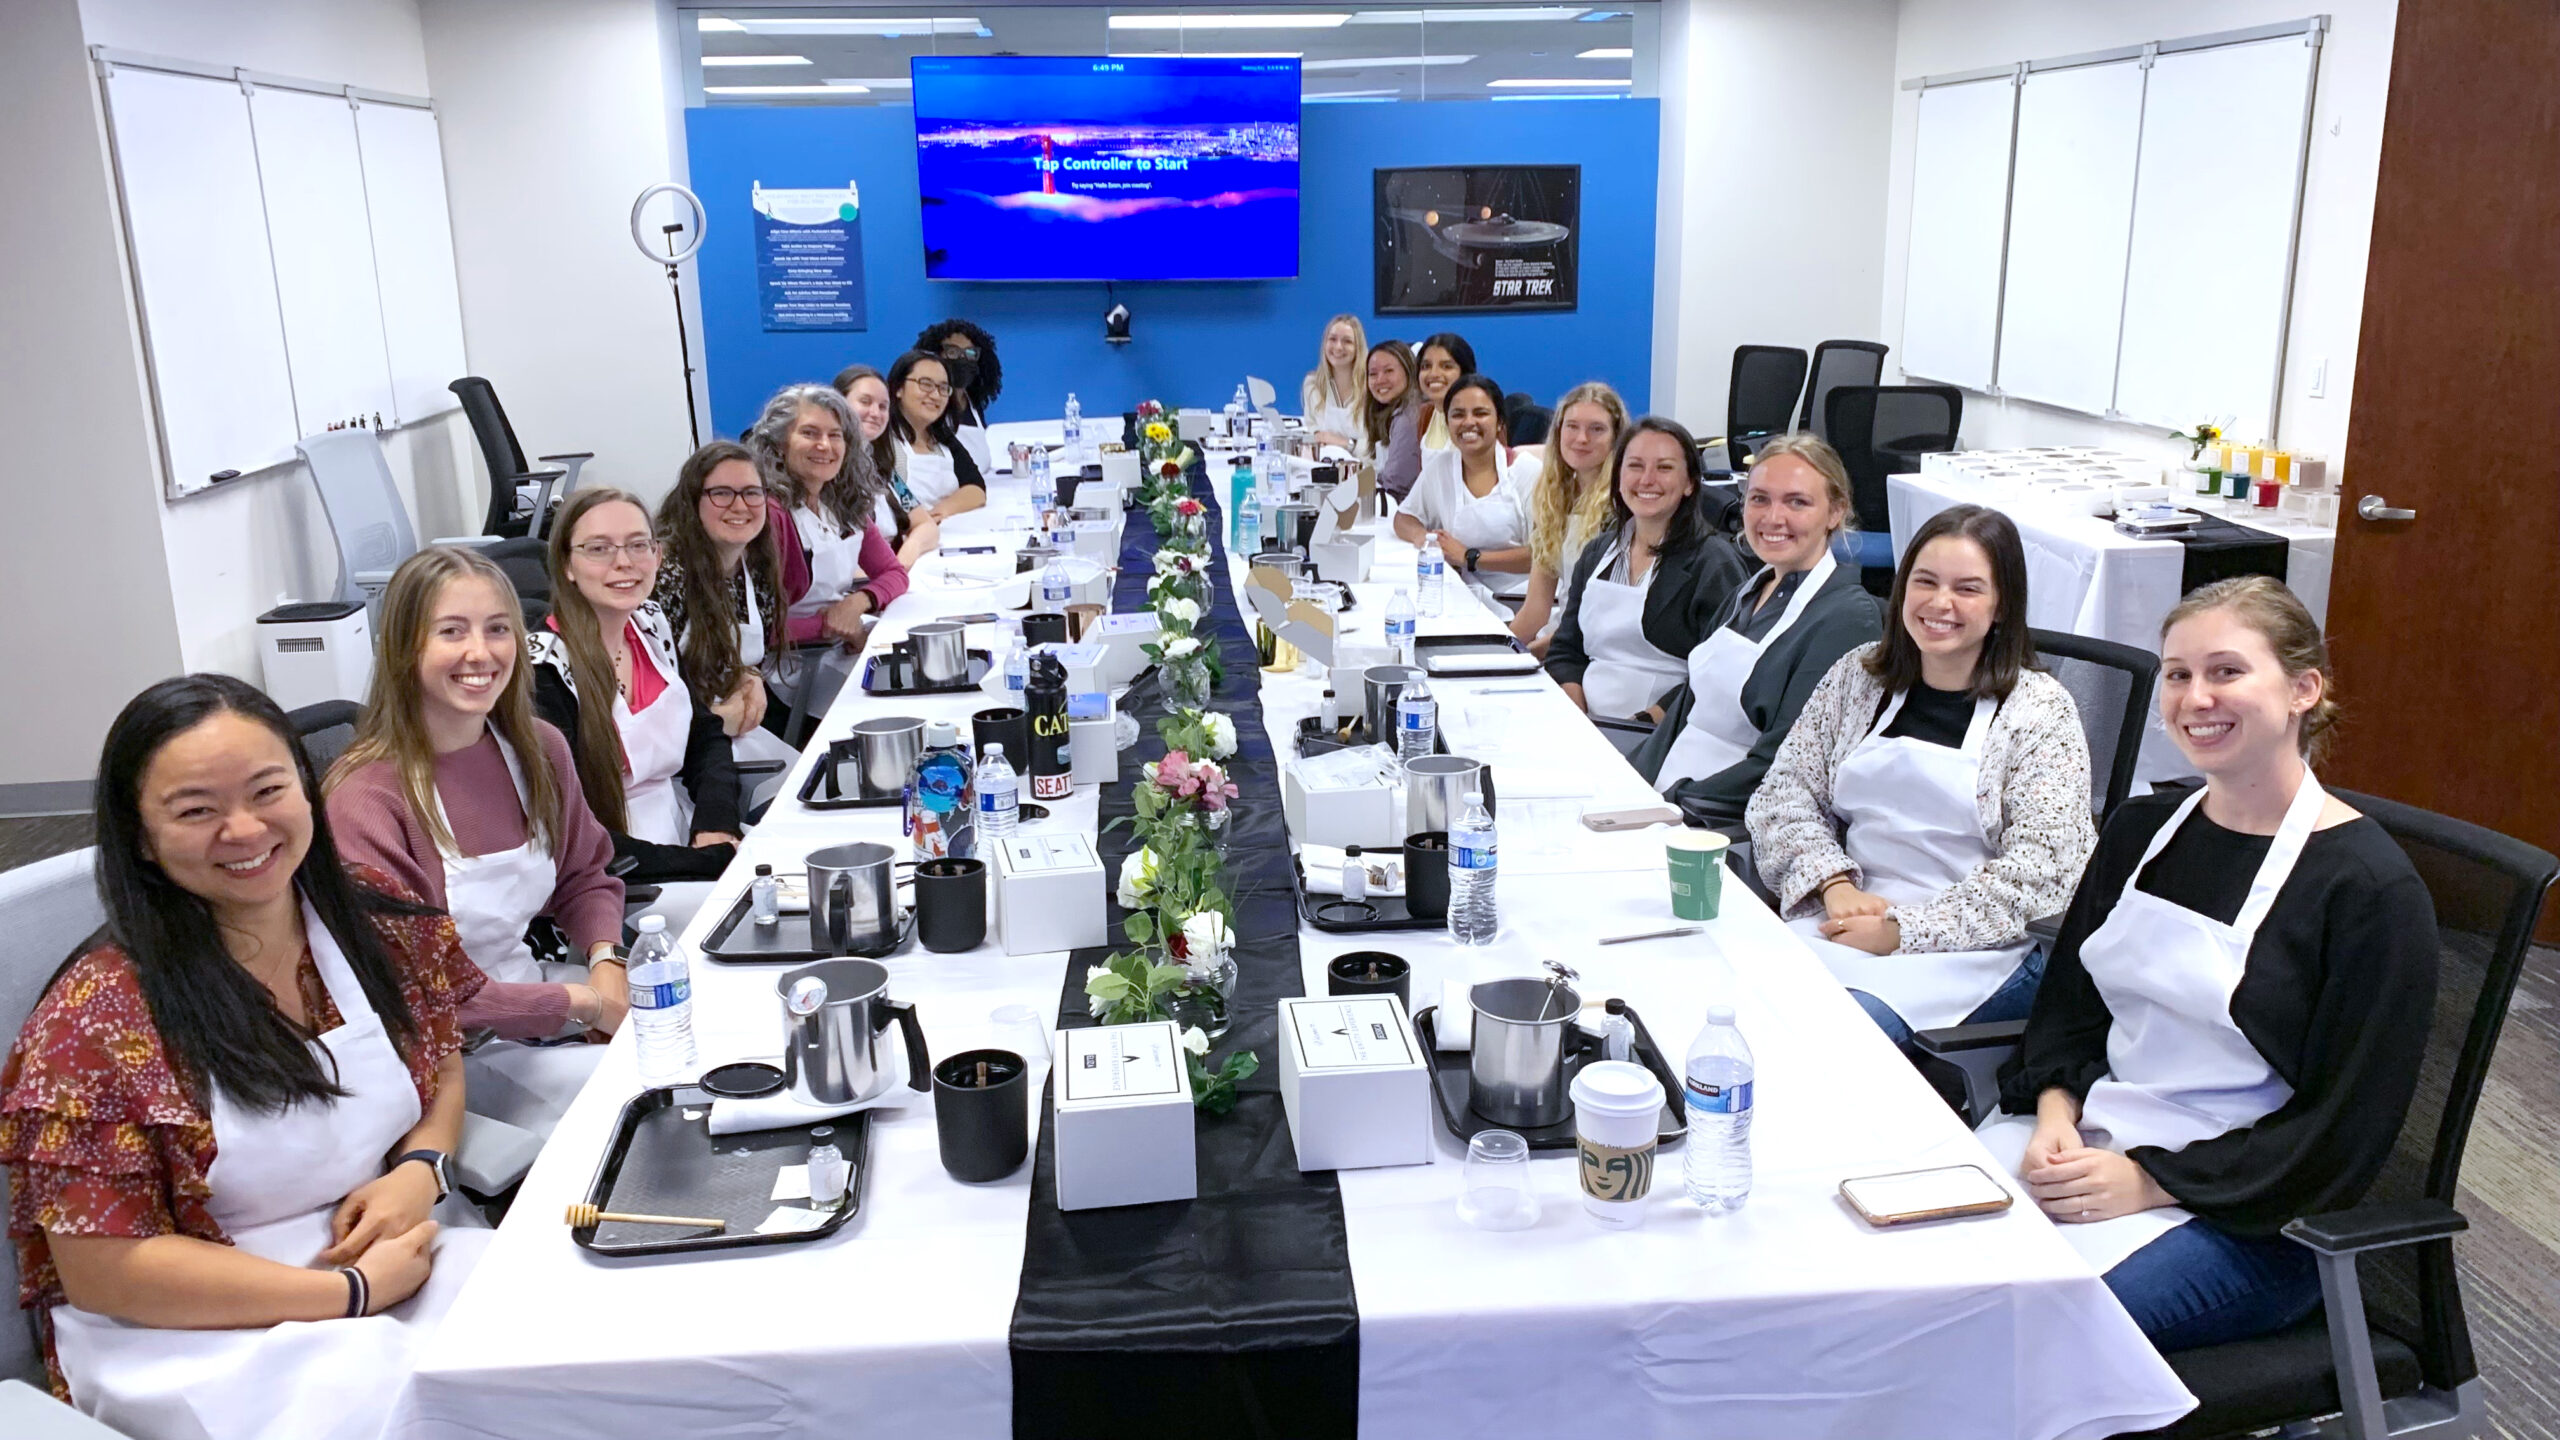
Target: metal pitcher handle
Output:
{"points": [[919, 1064], [839, 902]]}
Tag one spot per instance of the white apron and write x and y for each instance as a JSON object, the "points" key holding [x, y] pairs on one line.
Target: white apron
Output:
{"points": [[835, 560], [1488, 522], [276, 1181], [2178, 1069], [656, 807], [1627, 671], [1719, 734], [973, 438], [930, 478], [1909, 820], [751, 629], [492, 898]]}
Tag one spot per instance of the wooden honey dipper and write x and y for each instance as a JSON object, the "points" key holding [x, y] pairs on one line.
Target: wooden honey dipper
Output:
{"points": [[581, 1215]]}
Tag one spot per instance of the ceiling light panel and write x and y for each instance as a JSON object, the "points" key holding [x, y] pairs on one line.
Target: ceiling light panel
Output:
{"points": [[867, 83], [889, 26], [777, 90], [1558, 84], [1608, 52], [1295, 20], [719, 25], [1383, 62], [1495, 14], [716, 62]]}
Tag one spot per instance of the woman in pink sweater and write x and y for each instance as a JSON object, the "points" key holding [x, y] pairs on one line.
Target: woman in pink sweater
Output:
{"points": [[454, 789]]}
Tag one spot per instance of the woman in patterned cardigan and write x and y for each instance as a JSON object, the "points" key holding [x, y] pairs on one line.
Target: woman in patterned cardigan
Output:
{"points": [[1933, 796]]}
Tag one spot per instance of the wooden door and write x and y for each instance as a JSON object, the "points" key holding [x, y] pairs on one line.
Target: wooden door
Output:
{"points": [[2446, 628]]}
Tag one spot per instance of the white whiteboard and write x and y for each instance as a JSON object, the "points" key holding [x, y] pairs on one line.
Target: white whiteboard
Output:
{"points": [[2070, 213], [413, 240], [187, 170], [2205, 281], [1959, 211], [309, 169]]}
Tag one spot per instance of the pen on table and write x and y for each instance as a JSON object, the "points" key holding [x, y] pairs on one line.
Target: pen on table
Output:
{"points": [[1653, 935], [1520, 690]]}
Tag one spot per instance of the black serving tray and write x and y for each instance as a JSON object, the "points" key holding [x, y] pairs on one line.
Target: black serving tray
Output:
{"points": [[1311, 739], [980, 662], [735, 940], [1424, 647], [1450, 1083], [1335, 915], [812, 798], [664, 1160]]}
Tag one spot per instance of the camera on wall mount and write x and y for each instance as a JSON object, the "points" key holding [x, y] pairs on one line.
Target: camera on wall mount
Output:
{"points": [[1115, 324]]}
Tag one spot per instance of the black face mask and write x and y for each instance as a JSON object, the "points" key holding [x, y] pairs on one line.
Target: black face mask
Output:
{"points": [[963, 373]]}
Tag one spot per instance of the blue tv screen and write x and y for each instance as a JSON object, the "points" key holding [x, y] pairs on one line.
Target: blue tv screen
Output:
{"points": [[1084, 168]]}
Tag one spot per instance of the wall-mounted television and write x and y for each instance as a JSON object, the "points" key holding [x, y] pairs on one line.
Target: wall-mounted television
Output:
{"points": [[1100, 168]]}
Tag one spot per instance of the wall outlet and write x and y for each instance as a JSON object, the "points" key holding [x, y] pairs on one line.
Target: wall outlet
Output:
{"points": [[2320, 378]]}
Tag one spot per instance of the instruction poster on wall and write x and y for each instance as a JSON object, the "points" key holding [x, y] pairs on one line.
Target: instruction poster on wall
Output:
{"points": [[1478, 237], [809, 258]]}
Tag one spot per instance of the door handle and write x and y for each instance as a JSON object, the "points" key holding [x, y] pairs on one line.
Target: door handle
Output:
{"points": [[2372, 507]]}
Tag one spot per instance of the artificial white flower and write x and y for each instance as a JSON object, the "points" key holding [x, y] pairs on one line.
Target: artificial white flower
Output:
{"points": [[1195, 1041], [1181, 646], [1181, 561], [1205, 938], [1178, 609], [1137, 878], [1222, 735]]}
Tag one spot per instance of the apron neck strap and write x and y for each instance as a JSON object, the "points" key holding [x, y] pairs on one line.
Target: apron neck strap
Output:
{"points": [[2301, 816], [524, 797]]}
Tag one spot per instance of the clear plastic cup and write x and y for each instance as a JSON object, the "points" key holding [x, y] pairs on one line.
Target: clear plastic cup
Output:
{"points": [[1020, 1029], [1499, 1193]]}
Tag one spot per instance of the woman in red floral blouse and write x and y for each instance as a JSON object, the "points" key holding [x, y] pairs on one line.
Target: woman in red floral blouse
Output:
{"points": [[233, 1108]]}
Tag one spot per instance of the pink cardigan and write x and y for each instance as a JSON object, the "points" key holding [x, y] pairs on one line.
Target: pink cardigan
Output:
{"points": [[887, 576]]}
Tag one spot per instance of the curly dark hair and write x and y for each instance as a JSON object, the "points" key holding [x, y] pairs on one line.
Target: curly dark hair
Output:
{"points": [[990, 382]]}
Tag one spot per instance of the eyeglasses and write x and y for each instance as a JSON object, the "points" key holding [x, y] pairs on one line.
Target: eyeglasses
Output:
{"points": [[601, 552], [965, 352], [725, 496], [929, 387]]}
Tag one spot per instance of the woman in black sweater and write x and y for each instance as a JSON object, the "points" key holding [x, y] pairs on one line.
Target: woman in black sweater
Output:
{"points": [[1649, 589], [2231, 1023]]}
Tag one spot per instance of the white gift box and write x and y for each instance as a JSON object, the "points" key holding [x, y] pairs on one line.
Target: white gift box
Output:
{"points": [[1320, 813], [1355, 1083], [1049, 893], [1097, 540], [1124, 640], [1123, 1128], [1095, 747], [1345, 560]]}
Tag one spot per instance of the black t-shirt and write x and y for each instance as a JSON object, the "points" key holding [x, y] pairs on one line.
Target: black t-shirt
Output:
{"points": [[2336, 993], [1938, 717]]}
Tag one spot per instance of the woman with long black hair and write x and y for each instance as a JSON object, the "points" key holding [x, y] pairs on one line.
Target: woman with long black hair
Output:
{"points": [[935, 467], [232, 1109], [977, 377]]}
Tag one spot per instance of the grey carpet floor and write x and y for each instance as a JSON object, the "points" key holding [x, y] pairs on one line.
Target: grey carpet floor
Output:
{"points": [[2511, 1183]]}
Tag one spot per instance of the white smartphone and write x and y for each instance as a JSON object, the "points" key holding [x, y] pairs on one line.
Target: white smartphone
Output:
{"points": [[1635, 819], [1915, 1195]]}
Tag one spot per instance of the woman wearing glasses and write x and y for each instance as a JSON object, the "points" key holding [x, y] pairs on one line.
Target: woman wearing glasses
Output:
{"points": [[976, 377], [935, 467], [907, 523], [655, 766], [720, 586]]}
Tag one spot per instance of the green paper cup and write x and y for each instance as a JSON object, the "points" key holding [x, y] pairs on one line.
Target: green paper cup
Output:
{"points": [[1697, 872]]}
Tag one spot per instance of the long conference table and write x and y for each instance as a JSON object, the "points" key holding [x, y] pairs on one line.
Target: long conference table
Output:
{"points": [[1789, 1318]]}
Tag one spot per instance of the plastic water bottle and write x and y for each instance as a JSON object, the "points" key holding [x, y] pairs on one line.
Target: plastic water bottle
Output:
{"points": [[941, 798], [765, 897], [1400, 625], [1075, 430], [1473, 862], [1017, 668], [1430, 568], [1055, 587], [662, 1004], [1417, 722], [1248, 529], [1718, 1166], [999, 797], [1236, 411], [1044, 490]]}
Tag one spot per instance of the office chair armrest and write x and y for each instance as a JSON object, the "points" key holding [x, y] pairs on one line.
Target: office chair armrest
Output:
{"points": [[2378, 1226], [1956, 1039], [565, 456], [636, 897], [762, 767], [2045, 931], [1962, 1063], [371, 581], [469, 542], [493, 1154]]}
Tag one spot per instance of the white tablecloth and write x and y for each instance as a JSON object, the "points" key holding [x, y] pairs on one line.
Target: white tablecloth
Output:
{"points": [[1789, 1318]]}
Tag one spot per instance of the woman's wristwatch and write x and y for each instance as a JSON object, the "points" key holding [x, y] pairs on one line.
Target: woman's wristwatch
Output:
{"points": [[438, 1164], [1473, 555]]}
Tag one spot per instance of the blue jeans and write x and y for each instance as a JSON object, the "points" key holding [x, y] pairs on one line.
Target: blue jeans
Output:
{"points": [[2015, 997], [2202, 1285]]}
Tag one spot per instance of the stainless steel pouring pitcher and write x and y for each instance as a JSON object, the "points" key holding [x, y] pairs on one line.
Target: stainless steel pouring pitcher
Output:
{"points": [[853, 899], [833, 1014]]}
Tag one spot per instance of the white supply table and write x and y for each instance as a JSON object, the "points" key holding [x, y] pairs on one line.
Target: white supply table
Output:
{"points": [[1787, 1319]]}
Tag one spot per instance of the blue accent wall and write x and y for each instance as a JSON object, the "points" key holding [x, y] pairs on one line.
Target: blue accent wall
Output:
{"points": [[1194, 341]]}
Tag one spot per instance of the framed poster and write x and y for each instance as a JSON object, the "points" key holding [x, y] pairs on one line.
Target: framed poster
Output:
{"points": [[1478, 237], [809, 258]]}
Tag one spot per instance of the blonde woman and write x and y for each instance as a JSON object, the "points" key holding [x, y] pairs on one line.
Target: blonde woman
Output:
{"points": [[456, 791], [1335, 397], [2232, 1019], [1568, 504]]}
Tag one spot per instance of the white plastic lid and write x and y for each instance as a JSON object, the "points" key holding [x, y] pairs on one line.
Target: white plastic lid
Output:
{"points": [[995, 749], [1616, 1087], [941, 732], [1719, 1014], [652, 924]]}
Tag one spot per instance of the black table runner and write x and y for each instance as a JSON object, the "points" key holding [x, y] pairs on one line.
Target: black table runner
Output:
{"points": [[2217, 549], [1231, 1314]]}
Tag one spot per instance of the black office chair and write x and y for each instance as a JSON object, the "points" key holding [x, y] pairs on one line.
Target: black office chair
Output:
{"points": [[1837, 363], [1882, 430], [1760, 401], [2391, 1348], [2111, 685], [327, 729], [520, 496], [1525, 419]]}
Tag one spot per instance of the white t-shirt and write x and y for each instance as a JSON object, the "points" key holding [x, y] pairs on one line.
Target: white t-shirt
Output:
{"points": [[1499, 520]]}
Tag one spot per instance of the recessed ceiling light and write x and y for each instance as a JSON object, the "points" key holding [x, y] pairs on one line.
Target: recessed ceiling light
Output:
{"points": [[1382, 62], [890, 27], [1349, 94], [1509, 14], [1300, 20], [715, 25], [1555, 97], [726, 61], [1207, 54], [1560, 84], [900, 83], [786, 90], [1608, 52], [1349, 100]]}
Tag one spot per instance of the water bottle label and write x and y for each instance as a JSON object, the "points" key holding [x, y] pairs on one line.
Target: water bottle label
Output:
{"points": [[1712, 1099], [990, 803], [1471, 857], [665, 996]]}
